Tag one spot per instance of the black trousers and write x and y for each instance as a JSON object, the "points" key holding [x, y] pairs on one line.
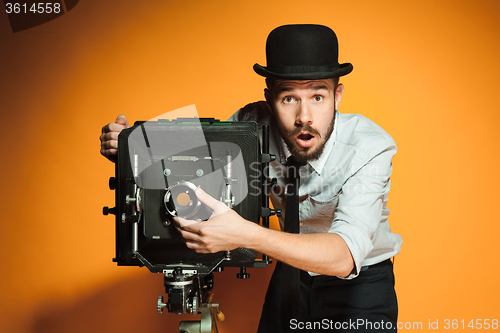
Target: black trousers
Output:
{"points": [[366, 303]]}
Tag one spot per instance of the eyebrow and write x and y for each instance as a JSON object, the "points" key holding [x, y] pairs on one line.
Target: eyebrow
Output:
{"points": [[290, 89]]}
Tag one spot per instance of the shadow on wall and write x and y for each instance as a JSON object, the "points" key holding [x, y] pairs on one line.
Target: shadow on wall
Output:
{"points": [[130, 306]]}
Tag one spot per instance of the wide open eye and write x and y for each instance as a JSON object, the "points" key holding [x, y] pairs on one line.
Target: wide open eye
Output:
{"points": [[318, 98], [288, 99]]}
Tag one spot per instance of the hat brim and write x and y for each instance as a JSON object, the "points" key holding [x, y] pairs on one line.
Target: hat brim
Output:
{"points": [[310, 74]]}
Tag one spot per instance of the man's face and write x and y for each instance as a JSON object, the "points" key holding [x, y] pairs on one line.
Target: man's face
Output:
{"points": [[304, 112]]}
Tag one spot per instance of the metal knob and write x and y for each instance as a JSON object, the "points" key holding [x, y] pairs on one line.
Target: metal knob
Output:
{"points": [[106, 210], [160, 305], [243, 274], [112, 183]]}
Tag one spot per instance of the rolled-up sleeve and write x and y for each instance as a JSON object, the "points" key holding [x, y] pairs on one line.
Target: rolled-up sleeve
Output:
{"points": [[361, 212]]}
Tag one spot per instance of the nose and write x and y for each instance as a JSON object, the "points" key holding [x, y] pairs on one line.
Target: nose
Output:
{"points": [[304, 115]]}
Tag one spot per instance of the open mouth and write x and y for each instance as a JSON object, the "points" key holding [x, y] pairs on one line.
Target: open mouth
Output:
{"points": [[305, 136], [305, 139]]}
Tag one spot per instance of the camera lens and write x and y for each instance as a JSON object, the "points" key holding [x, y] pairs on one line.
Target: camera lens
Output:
{"points": [[180, 200], [183, 199]]}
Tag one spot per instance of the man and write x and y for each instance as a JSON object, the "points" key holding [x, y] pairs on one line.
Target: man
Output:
{"points": [[345, 242]]}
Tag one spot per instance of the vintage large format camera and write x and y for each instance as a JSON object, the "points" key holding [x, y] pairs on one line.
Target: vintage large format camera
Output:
{"points": [[158, 168]]}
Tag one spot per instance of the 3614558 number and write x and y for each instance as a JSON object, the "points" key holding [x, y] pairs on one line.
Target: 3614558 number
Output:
{"points": [[35, 8], [477, 324]]}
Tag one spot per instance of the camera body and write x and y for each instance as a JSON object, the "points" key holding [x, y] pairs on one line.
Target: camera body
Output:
{"points": [[159, 166]]}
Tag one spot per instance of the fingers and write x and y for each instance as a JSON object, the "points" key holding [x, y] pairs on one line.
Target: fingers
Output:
{"points": [[122, 120], [109, 140], [109, 144], [203, 237], [191, 237], [108, 153], [214, 204], [198, 247], [109, 137], [187, 228], [113, 127], [182, 222]]}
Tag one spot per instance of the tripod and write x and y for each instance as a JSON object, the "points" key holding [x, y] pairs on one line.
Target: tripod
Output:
{"points": [[190, 293]]}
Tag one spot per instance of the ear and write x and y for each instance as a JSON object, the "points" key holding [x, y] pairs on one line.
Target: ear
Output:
{"points": [[269, 99], [338, 95]]}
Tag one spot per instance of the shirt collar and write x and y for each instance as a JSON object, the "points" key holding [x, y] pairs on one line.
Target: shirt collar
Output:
{"points": [[318, 164]]}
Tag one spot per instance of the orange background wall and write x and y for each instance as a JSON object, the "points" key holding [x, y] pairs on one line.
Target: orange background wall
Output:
{"points": [[427, 71]]}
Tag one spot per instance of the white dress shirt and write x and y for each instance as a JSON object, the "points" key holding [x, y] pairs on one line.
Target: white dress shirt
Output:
{"points": [[344, 191]]}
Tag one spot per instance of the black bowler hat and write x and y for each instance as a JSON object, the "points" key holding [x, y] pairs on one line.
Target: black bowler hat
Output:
{"points": [[302, 52]]}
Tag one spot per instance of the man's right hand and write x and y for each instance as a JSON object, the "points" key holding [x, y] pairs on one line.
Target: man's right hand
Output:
{"points": [[109, 137]]}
